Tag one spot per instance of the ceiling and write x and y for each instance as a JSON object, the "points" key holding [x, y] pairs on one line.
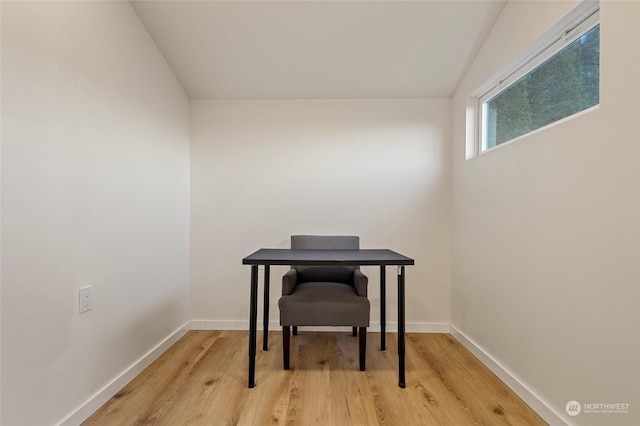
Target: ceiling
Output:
{"points": [[318, 49]]}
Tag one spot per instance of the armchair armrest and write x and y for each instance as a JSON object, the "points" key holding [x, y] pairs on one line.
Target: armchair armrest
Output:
{"points": [[360, 282], [289, 281]]}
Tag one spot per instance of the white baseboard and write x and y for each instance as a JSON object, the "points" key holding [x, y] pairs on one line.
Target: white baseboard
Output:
{"points": [[103, 395], [392, 327], [221, 325], [520, 389]]}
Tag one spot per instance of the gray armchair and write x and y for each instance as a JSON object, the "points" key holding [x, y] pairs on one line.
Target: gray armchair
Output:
{"points": [[324, 295]]}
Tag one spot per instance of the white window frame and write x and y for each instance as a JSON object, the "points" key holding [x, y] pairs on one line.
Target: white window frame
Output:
{"points": [[573, 26]]}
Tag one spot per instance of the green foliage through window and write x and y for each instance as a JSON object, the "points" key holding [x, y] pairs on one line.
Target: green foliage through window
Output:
{"points": [[566, 83]]}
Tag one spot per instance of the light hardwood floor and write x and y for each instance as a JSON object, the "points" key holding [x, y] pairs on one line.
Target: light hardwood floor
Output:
{"points": [[202, 380]]}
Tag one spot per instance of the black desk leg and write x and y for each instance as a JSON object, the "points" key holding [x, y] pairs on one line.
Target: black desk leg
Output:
{"points": [[253, 314], [265, 317], [383, 307], [401, 382]]}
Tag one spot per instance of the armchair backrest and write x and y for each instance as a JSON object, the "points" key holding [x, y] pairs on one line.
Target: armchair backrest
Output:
{"points": [[341, 274], [325, 242]]}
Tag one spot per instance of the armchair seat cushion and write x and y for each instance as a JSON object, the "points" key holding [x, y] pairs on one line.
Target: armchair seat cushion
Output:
{"points": [[324, 304]]}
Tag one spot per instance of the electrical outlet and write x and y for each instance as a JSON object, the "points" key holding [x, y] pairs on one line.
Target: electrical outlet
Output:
{"points": [[85, 299]]}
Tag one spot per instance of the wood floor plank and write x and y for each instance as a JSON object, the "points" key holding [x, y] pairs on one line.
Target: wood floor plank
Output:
{"points": [[202, 380], [349, 382]]}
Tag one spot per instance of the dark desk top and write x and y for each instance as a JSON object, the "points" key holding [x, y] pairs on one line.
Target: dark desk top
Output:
{"points": [[326, 257]]}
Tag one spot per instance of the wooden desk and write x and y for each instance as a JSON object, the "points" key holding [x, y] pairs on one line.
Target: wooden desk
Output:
{"points": [[380, 257]]}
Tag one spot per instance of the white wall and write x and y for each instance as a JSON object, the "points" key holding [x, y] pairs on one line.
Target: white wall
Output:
{"points": [[263, 170], [0, 220], [546, 230], [95, 190]]}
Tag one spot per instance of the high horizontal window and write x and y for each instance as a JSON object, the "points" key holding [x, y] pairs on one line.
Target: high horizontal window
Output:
{"points": [[555, 82]]}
